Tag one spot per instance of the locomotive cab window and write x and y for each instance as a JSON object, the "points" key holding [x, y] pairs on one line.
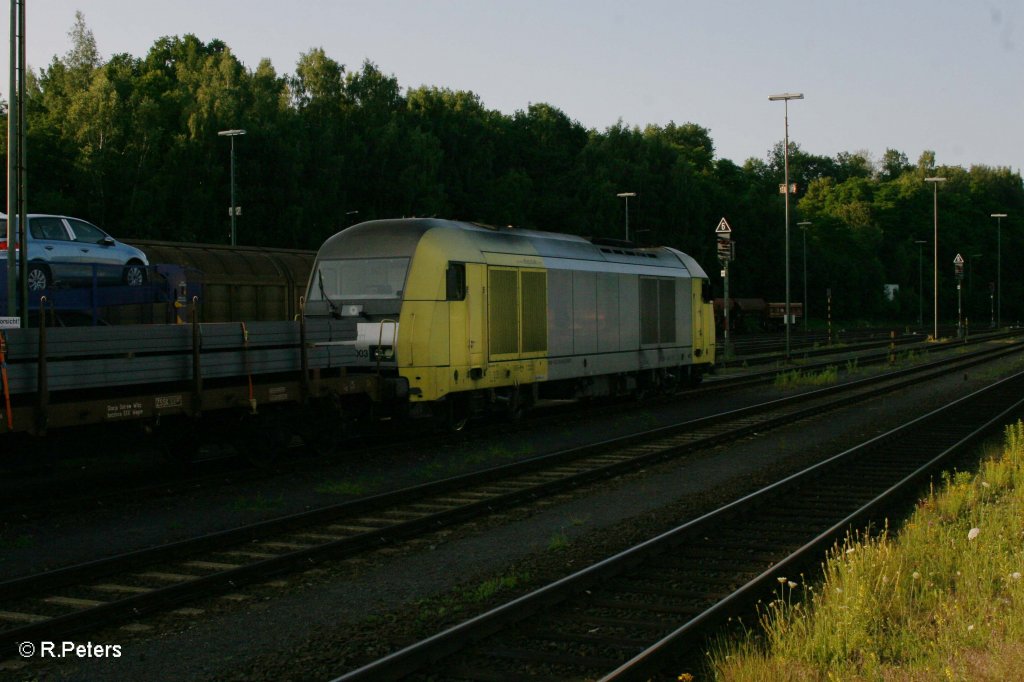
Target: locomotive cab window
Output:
{"points": [[455, 282], [359, 278], [705, 290]]}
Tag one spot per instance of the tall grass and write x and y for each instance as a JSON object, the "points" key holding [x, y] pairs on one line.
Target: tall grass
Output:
{"points": [[795, 378], [940, 600]]}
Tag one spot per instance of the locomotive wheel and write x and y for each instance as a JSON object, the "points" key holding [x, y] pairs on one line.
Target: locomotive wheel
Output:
{"points": [[453, 413], [458, 424], [519, 403]]}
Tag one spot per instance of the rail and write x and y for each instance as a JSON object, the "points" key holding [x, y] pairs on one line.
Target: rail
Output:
{"points": [[231, 558], [555, 630]]}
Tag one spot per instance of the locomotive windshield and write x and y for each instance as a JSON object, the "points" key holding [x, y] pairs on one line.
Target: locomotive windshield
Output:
{"points": [[359, 278]]}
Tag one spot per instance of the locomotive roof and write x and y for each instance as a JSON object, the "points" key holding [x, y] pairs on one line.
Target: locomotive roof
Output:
{"points": [[399, 237]]}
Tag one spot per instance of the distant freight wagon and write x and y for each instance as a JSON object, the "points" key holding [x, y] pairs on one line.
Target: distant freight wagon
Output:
{"points": [[755, 314]]}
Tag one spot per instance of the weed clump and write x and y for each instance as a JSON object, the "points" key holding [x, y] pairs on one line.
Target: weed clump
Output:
{"points": [[942, 599]]}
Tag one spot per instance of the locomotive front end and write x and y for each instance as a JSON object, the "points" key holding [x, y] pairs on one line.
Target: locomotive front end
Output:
{"points": [[356, 289]]}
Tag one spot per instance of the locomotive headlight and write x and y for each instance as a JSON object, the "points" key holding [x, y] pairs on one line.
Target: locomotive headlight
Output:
{"points": [[379, 353]]}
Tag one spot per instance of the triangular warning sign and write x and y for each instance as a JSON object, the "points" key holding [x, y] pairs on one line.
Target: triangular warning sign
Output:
{"points": [[723, 227], [959, 260]]}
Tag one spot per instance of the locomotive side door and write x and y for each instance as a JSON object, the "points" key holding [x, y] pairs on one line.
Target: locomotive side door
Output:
{"points": [[466, 300], [476, 313]]}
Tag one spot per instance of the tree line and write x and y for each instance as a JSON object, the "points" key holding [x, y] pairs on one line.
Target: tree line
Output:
{"points": [[131, 143]]}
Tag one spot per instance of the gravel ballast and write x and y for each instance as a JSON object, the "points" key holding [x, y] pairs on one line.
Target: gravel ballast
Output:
{"points": [[320, 623]]}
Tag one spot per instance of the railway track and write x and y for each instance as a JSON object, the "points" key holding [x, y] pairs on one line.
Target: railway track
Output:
{"points": [[633, 615], [90, 595], [770, 351], [774, 343], [26, 497]]}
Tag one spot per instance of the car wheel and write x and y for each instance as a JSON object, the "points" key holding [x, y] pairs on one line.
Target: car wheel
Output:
{"points": [[134, 274], [38, 277]]}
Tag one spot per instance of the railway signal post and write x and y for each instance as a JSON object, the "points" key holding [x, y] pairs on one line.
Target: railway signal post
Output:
{"points": [[958, 268], [726, 253], [828, 313]]}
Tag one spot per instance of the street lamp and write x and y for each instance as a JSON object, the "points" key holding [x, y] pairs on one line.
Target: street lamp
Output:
{"points": [[999, 268], [626, 196], [803, 225], [935, 245], [920, 281], [784, 98], [233, 210]]}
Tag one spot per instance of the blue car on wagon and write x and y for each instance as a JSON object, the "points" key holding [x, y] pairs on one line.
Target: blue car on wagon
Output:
{"points": [[72, 251]]}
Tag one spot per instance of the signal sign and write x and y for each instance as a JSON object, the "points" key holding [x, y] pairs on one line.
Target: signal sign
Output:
{"points": [[723, 230], [726, 250]]}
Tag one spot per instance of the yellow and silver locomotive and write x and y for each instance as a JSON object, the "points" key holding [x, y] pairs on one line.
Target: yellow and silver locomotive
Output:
{"points": [[460, 318]]}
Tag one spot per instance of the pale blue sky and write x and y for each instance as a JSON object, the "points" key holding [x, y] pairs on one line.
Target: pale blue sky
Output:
{"points": [[913, 75]]}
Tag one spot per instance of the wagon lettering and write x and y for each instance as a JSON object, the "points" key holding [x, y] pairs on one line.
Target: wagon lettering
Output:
{"points": [[124, 410], [165, 402]]}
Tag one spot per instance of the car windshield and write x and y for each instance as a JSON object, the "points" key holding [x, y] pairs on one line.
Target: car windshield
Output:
{"points": [[359, 278]]}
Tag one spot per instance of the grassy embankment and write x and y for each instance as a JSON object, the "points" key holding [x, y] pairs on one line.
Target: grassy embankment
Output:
{"points": [[942, 599]]}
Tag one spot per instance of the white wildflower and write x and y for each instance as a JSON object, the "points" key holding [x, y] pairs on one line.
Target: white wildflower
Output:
{"points": [[916, 575], [791, 584], [1015, 575], [973, 533]]}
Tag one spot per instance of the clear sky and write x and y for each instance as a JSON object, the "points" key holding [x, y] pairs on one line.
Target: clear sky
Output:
{"points": [[913, 75]]}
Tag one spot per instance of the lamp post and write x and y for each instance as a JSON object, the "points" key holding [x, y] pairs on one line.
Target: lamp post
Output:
{"points": [[784, 98], [17, 215], [935, 247], [626, 196], [803, 225], [233, 210], [999, 268], [920, 281]]}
